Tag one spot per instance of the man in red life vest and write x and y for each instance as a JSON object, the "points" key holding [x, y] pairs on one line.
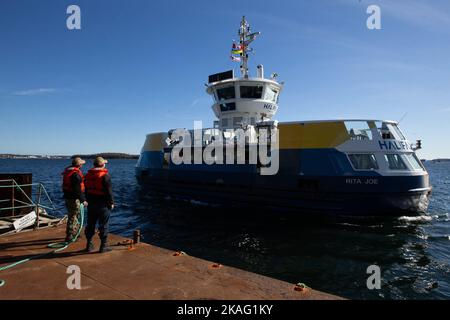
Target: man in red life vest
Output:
{"points": [[100, 197], [73, 188]]}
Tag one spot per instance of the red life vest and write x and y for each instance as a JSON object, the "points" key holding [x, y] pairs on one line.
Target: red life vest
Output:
{"points": [[67, 178], [94, 181]]}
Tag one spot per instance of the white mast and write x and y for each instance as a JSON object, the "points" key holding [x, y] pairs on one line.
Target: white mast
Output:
{"points": [[245, 38], [243, 101]]}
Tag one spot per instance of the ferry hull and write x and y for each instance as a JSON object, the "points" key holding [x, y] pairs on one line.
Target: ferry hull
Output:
{"points": [[336, 200], [314, 174]]}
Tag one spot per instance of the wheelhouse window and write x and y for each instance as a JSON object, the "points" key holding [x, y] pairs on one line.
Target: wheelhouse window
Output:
{"points": [[271, 94], [363, 161], [395, 162], [252, 92], [226, 93]]}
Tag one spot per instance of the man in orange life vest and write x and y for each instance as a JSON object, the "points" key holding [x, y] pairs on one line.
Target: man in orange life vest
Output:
{"points": [[73, 188], [100, 197]]}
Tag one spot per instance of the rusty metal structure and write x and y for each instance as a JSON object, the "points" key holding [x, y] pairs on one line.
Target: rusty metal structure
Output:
{"points": [[20, 199]]}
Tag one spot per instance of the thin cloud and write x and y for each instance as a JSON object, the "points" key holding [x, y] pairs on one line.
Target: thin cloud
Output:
{"points": [[34, 92], [195, 102], [198, 101]]}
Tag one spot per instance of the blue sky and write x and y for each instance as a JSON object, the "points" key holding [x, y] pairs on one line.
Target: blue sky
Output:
{"points": [[137, 67]]}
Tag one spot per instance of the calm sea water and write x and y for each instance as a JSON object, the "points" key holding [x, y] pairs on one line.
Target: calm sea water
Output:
{"points": [[329, 254]]}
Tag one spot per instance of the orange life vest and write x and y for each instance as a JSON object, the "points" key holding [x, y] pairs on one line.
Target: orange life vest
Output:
{"points": [[67, 178], [94, 181]]}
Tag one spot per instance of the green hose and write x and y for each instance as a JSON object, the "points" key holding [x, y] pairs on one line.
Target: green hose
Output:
{"points": [[58, 246]]}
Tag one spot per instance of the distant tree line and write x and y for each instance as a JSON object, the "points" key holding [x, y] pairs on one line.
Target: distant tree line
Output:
{"points": [[107, 155], [441, 160]]}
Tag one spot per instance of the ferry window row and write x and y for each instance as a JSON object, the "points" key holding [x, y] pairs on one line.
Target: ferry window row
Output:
{"points": [[358, 130], [363, 161], [415, 162], [247, 92], [394, 161], [236, 122]]}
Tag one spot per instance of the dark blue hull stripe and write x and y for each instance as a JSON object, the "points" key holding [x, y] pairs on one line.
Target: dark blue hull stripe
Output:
{"points": [[307, 180], [301, 202]]}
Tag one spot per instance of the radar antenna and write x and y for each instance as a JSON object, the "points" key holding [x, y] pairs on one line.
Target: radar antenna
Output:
{"points": [[242, 49]]}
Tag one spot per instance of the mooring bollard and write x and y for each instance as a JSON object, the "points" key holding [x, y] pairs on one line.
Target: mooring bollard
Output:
{"points": [[136, 236]]}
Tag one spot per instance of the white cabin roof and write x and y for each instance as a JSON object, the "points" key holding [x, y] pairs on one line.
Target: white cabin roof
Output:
{"points": [[233, 80]]}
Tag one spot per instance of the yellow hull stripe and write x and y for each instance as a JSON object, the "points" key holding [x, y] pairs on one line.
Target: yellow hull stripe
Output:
{"points": [[292, 136]]}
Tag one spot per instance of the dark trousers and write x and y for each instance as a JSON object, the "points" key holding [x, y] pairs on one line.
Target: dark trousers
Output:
{"points": [[97, 213]]}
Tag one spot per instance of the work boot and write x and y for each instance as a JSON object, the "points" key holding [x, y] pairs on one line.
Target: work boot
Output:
{"points": [[90, 246], [104, 247]]}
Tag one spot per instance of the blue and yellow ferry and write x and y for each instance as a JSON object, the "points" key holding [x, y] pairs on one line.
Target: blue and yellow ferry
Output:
{"points": [[353, 167]]}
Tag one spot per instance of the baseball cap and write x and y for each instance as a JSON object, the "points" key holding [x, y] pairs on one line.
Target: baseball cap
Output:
{"points": [[77, 161], [99, 161]]}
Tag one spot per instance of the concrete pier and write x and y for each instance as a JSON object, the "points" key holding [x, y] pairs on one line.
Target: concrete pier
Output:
{"points": [[141, 271]]}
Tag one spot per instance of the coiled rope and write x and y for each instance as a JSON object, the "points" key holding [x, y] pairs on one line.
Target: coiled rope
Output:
{"points": [[58, 246]]}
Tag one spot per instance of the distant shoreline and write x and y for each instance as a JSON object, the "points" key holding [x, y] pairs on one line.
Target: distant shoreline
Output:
{"points": [[108, 155], [437, 160]]}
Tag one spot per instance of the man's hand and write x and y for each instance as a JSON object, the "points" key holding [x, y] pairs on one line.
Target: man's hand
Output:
{"points": [[112, 206], [85, 203]]}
